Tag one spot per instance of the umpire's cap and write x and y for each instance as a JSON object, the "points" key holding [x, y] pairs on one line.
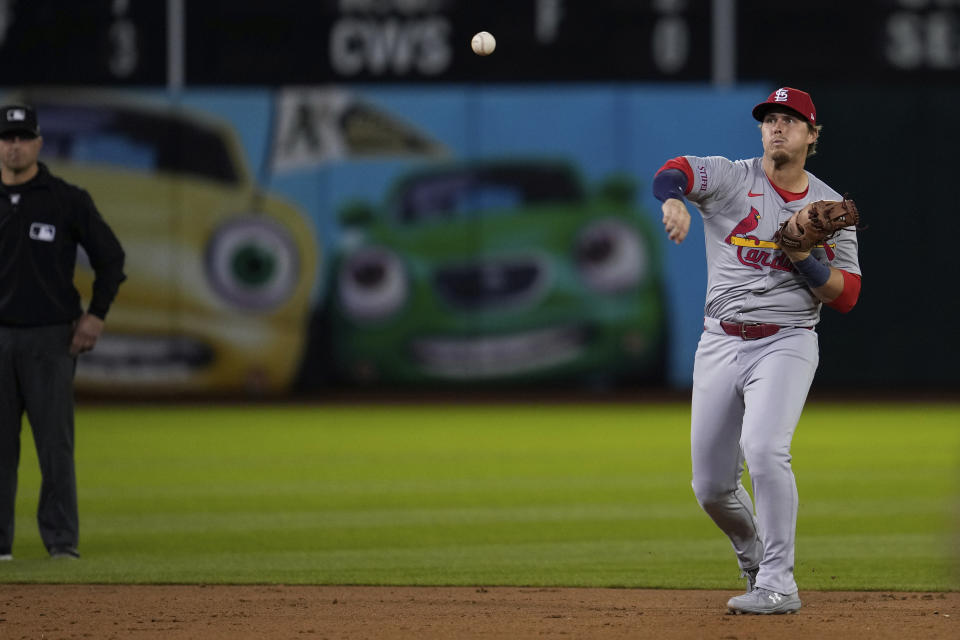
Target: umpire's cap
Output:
{"points": [[793, 99], [18, 118]]}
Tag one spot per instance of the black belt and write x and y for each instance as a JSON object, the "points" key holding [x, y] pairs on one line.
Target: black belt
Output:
{"points": [[752, 330]]}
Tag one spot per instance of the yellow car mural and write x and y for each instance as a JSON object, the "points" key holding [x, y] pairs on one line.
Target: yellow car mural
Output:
{"points": [[219, 274]]}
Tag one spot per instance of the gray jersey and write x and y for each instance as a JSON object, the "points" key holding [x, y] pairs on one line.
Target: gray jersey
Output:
{"points": [[748, 278]]}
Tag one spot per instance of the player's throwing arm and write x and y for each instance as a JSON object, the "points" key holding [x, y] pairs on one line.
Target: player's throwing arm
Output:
{"points": [[669, 186]]}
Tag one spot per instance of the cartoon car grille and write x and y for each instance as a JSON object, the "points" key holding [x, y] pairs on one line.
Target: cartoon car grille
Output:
{"points": [[487, 357]]}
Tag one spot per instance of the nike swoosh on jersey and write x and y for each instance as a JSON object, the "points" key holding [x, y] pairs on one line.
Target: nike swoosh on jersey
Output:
{"points": [[751, 194]]}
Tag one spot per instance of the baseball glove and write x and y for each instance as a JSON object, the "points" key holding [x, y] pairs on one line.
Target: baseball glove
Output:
{"points": [[815, 223]]}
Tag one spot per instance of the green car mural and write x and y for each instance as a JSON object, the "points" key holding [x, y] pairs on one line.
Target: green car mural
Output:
{"points": [[498, 271]]}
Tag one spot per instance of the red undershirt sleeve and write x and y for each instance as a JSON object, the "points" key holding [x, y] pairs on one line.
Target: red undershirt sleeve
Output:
{"points": [[849, 295]]}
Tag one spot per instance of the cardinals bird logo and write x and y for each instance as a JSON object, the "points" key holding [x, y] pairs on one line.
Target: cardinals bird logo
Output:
{"points": [[745, 226]]}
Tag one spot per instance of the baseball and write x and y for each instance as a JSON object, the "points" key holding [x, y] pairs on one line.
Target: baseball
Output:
{"points": [[483, 43]]}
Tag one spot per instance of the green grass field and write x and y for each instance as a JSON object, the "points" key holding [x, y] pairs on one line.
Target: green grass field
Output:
{"points": [[563, 495]]}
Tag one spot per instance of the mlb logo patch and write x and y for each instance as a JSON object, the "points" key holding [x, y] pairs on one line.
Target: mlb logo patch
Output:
{"points": [[16, 115], [43, 232]]}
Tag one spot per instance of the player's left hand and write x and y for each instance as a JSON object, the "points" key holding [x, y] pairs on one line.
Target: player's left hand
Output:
{"points": [[85, 334]]}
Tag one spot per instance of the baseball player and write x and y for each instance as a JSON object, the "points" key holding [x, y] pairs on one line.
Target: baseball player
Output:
{"points": [[758, 353]]}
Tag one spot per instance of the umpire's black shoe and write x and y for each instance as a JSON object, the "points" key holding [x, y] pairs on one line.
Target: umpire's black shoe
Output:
{"points": [[64, 552]]}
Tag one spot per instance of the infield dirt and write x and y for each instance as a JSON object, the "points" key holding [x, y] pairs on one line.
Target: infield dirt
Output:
{"points": [[173, 612]]}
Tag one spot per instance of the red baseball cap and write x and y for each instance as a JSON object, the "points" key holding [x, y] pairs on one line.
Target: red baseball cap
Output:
{"points": [[793, 99]]}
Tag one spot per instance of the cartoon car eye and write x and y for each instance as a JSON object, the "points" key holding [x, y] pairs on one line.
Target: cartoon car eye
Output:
{"points": [[372, 283], [252, 263], [610, 256]]}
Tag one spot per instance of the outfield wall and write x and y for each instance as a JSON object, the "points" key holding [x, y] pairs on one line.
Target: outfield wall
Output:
{"points": [[235, 218]]}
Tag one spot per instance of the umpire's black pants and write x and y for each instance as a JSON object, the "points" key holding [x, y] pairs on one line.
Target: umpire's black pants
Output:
{"points": [[36, 376]]}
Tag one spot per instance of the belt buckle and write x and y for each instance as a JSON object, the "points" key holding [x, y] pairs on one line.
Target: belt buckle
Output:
{"points": [[743, 329]]}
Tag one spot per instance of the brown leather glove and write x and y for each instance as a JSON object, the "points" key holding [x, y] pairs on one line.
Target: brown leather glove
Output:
{"points": [[815, 223]]}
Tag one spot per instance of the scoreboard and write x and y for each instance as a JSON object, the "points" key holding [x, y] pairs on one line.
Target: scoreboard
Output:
{"points": [[429, 41], [281, 42]]}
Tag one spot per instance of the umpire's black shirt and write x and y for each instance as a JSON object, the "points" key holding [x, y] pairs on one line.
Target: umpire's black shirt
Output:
{"points": [[41, 223]]}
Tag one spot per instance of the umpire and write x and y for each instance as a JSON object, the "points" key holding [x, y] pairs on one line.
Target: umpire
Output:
{"points": [[42, 326]]}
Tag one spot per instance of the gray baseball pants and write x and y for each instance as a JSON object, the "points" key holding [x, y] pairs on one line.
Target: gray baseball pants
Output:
{"points": [[747, 400]]}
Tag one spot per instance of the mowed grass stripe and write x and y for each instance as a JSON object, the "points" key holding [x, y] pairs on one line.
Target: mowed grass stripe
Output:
{"points": [[379, 518], [492, 494]]}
